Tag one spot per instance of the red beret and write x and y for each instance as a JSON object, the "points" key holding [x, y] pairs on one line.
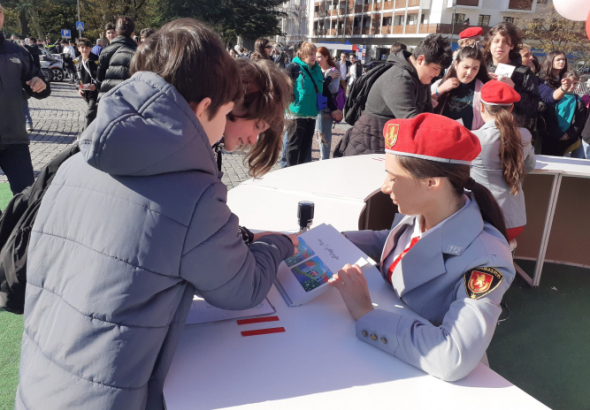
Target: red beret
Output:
{"points": [[471, 32], [432, 137], [498, 93]]}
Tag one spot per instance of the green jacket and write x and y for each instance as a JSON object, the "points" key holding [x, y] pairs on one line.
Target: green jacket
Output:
{"points": [[305, 101]]}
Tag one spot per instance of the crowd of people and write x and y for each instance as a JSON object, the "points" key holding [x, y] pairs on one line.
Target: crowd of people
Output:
{"points": [[107, 296]]}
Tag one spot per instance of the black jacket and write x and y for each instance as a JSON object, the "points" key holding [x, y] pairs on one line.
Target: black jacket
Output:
{"points": [[16, 68], [366, 137], [85, 77], [551, 134], [113, 63], [525, 83], [34, 51]]}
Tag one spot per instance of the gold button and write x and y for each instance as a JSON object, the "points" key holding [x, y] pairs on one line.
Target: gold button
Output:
{"points": [[373, 337], [384, 340], [364, 332]]}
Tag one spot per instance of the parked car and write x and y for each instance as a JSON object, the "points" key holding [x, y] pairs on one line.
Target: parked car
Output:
{"points": [[52, 66]]}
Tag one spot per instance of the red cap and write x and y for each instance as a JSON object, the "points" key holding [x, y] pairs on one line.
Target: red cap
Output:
{"points": [[471, 32], [498, 93], [432, 137]]}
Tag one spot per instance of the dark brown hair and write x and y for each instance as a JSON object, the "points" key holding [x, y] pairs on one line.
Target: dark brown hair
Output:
{"points": [[125, 26], [267, 94], [326, 53], [259, 47], [83, 42], [509, 32], [546, 73], [458, 176], [511, 154], [463, 54], [191, 57], [397, 47]]}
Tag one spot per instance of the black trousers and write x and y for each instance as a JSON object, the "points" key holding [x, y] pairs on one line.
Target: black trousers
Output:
{"points": [[299, 145], [15, 161], [91, 110]]}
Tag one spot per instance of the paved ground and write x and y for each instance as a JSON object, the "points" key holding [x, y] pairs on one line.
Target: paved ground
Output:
{"points": [[59, 119]]}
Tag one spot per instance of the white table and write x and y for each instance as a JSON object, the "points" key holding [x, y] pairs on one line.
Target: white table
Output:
{"points": [[318, 362]]}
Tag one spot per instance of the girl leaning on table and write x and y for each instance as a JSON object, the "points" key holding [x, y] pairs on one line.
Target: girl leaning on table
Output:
{"points": [[506, 154], [134, 225], [448, 260]]}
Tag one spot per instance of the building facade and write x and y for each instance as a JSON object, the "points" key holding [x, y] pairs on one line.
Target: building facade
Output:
{"points": [[378, 24], [294, 24]]}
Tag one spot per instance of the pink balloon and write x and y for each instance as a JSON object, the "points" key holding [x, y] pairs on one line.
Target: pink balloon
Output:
{"points": [[572, 9]]}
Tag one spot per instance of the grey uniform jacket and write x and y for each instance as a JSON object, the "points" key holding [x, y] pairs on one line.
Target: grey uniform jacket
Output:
{"points": [[127, 232], [487, 170], [456, 325]]}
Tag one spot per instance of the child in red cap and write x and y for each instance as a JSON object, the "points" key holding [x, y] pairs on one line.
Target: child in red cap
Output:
{"points": [[448, 260], [507, 154]]}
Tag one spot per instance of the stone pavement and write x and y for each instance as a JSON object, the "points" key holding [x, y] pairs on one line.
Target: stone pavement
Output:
{"points": [[59, 119]]}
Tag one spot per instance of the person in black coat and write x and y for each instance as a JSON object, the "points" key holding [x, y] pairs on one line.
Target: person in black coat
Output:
{"points": [[114, 60], [86, 73], [34, 51]]}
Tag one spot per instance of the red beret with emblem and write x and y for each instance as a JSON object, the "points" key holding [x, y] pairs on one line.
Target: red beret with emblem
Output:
{"points": [[432, 137], [471, 32], [498, 93]]}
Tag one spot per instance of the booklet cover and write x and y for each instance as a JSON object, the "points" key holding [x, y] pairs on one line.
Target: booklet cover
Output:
{"points": [[322, 252]]}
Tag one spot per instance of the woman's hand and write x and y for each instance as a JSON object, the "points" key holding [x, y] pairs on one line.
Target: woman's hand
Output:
{"points": [[448, 85], [352, 285], [506, 80], [334, 74]]}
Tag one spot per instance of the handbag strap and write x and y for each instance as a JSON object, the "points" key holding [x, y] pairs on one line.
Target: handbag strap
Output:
{"points": [[312, 80]]}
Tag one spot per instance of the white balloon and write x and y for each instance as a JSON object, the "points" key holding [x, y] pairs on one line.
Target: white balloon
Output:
{"points": [[576, 10]]}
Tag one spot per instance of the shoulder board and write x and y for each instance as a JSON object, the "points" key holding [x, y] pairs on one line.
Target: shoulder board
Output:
{"points": [[481, 280]]}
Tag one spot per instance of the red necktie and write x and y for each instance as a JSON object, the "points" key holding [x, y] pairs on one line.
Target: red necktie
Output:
{"points": [[399, 258]]}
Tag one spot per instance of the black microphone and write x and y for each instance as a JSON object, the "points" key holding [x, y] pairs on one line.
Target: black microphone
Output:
{"points": [[305, 210]]}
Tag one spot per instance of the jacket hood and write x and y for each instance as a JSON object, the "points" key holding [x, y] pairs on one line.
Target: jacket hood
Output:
{"points": [[401, 58], [145, 127], [302, 63]]}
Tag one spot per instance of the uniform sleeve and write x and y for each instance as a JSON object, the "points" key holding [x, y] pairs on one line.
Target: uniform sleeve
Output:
{"points": [[370, 242], [528, 151], [225, 271], [449, 351]]}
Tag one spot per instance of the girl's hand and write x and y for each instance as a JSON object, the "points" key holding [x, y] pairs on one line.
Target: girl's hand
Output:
{"points": [[334, 73], [507, 81], [565, 137], [448, 85], [493, 76], [352, 285], [565, 84]]}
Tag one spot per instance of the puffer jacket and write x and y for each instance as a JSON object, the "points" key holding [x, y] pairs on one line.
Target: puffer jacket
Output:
{"points": [[127, 232], [304, 93], [16, 68], [113, 63], [366, 137]]}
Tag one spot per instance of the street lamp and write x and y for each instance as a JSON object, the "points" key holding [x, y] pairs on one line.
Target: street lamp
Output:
{"points": [[453, 22]]}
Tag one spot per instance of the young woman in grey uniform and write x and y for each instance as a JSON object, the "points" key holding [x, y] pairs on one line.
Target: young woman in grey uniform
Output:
{"points": [[448, 260], [506, 154]]}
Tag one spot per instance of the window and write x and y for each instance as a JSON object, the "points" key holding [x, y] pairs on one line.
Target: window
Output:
{"points": [[387, 21], [357, 22], [509, 19], [367, 1], [459, 18], [367, 22], [412, 18], [399, 20], [424, 19], [484, 20]]}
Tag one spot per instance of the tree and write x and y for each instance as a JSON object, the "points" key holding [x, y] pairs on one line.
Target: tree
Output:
{"points": [[548, 31]]}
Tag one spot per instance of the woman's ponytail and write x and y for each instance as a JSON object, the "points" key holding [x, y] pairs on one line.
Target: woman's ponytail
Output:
{"points": [[488, 206], [511, 153]]}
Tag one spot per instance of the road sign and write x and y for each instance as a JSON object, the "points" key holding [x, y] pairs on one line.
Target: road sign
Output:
{"points": [[80, 25], [66, 34]]}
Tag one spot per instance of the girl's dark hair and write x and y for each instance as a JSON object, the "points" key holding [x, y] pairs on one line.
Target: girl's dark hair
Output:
{"points": [[511, 153], [509, 32], [191, 57], [125, 26], [458, 176], [267, 94], [537, 65], [259, 47], [546, 73], [463, 54], [326, 53]]}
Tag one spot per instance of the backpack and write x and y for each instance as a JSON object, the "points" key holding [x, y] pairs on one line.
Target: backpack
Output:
{"points": [[15, 232], [357, 98]]}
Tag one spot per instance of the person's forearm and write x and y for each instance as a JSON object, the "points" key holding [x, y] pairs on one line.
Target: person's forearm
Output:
{"points": [[558, 94]]}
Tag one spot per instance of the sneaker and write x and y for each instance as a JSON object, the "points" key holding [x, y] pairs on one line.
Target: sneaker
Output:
{"points": [[29, 127]]}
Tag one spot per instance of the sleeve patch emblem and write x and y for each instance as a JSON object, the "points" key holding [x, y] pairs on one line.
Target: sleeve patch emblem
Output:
{"points": [[481, 281], [391, 135]]}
